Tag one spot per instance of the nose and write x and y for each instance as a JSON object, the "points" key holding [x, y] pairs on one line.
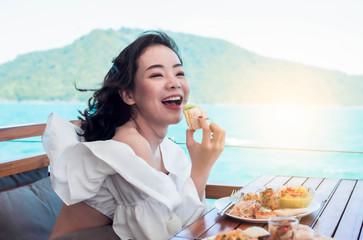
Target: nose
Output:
{"points": [[174, 83]]}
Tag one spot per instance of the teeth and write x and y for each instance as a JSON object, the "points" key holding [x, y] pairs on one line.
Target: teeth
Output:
{"points": [[172, 99]]}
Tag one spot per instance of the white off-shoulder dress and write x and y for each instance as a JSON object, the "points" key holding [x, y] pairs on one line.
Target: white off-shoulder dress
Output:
{"points": [[144, 203]]}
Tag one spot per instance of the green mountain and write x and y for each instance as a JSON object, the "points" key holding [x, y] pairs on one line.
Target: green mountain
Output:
{"points": [[218, 72]]}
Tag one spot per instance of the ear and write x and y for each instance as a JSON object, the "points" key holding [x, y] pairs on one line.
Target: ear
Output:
{"points": [[127, 96]]}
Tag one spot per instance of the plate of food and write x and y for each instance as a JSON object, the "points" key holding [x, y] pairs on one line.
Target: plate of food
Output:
{"points": [[249, 233], [270, 202], [302, 232]]}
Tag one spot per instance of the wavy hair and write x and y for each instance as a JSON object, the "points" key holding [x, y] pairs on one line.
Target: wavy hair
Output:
{"points": [[106, 110]]}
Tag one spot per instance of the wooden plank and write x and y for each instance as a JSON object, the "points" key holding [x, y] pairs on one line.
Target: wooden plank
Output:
{"points": [[259, 182], [313, 182], [29, 163], [296, 181], [326, 189], [331, 215], [351, 222], [24, 131], [323, 193], [17, 132], [215, 191], [278, 181], [23, 165], [223, 225], [198, 227]]}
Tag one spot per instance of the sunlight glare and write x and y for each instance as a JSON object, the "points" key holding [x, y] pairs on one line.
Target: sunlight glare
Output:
{"points": [[289, 125]]}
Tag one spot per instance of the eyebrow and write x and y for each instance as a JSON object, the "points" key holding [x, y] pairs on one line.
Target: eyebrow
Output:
{"points": [[161, 66]]}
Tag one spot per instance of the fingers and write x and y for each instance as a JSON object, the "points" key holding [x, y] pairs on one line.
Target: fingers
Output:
{"points": [[219, 134], [190, 138], [204, 154], [206, 130], [217, 138]]}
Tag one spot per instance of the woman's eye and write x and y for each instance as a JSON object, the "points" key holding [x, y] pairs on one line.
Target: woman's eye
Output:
{"points": [[180, 74], [156, 75]]}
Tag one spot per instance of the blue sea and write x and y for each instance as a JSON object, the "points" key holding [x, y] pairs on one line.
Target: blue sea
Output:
{"points": [[313, 141]]}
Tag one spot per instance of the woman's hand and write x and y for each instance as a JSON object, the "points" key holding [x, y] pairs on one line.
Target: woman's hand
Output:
{"points": [[204, 154]]}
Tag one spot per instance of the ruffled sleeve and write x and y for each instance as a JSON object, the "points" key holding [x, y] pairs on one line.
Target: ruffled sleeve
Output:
{"points": [[146, 199], [79, 168], [71, 178]]}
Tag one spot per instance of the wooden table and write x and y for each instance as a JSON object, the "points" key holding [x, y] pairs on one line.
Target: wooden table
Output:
{"points": [[340, 214]]}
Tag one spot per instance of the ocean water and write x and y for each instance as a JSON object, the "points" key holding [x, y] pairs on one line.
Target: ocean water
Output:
{"points": [[260, 139]]}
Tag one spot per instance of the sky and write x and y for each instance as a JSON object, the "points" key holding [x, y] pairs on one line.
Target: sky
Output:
{"points": [[322, 33]]}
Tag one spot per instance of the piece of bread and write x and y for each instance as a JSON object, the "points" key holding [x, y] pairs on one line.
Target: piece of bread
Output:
{"points": [[289, 212], [192, 113], [255, 232]]}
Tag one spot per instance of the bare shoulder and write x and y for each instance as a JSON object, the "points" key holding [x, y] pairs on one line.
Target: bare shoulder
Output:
{"points": [[129, 135]]}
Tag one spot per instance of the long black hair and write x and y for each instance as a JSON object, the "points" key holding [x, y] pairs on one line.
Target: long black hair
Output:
{"points": [[106, 110]]}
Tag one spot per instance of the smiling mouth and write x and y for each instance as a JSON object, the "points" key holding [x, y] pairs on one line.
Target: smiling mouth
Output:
{"points": [[176, 101]]}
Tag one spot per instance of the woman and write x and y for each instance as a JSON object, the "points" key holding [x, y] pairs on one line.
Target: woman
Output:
{"points": [[119, 167]]}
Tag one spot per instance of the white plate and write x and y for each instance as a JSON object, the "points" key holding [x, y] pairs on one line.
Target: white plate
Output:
{"points": [[314, 205]]}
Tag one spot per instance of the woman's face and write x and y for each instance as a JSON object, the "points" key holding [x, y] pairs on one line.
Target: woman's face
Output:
{"points": [[161, 89]]}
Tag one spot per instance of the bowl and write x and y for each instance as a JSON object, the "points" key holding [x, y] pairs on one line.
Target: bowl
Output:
{"points": [[296, 196]]}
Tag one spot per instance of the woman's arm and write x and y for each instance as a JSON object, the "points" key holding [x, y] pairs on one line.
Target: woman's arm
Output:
{"points": [[77, 217], [204, 154]]}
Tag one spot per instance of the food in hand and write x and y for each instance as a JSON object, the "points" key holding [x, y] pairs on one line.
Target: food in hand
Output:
{"points": [[269, 198], [295, 197], [192, 113]]}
